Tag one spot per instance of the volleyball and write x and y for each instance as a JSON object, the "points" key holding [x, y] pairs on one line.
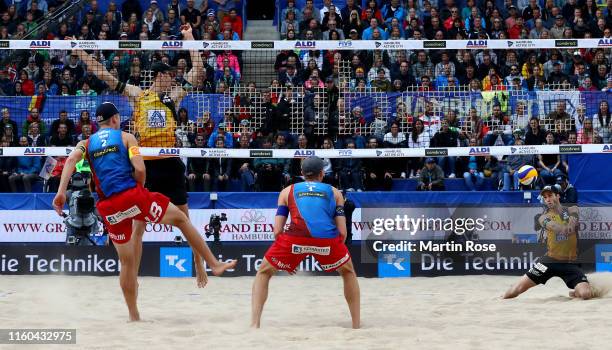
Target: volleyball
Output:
{"points": [[527, 175]]}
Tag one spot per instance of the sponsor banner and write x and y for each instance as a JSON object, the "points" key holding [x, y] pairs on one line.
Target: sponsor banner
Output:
{"points": [[479, 151], [262, 44], [476, 44], [241, 225], [326, 153], [570, 149], [434, 44], [566, 43], [164, 261], [304, 153], [436, 152], [304, 44], [603, 257]]}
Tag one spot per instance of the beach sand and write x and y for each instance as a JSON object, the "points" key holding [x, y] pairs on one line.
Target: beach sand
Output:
{"points": [[307, 312]]}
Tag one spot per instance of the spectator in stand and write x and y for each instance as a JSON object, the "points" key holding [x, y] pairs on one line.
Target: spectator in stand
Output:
{"points": [[431, 177], [474, 176], [292, 8], [7, 121], [350, 171], [419, 138], [34, 117], [446, 138], [347, 10], [197, 168], [375, 179], [62, 138], [290, 76], [27, 170], [269, 171], [232, 61], [219, 169], [7, 166], [63, 119], [513, 163], [549, 164], [192, 16], [368, 32], [221, 132], [381, 83], [587, 134], [535, 134], [289, 20], [603, 116], [85, 133], [499, 126]]}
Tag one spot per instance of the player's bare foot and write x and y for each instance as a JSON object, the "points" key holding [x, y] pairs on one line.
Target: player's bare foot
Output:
{"points": [[201, 276], [223, 266], [134, 317]]}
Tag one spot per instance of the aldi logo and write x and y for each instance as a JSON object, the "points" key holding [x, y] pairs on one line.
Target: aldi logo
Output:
{"points": [[476, 44], [303, 153], [480, 151], [607, 149], [305, 44], [40, 44], [604, 42], [170, 152], [34, 151], [172, 45]]}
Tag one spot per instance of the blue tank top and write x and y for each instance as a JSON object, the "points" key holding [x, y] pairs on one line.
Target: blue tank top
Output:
{"points": [[110, 163], [312, 207]]}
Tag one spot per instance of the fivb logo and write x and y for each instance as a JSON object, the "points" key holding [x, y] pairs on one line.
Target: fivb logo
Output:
{"points": [[175, 262], [172, 45]]}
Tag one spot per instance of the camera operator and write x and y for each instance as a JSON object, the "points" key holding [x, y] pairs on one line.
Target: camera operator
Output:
{"points": [[214, 226], [82, 220]]}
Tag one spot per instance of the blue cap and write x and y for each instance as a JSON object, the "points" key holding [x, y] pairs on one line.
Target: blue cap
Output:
{"points": [[430, 160]]}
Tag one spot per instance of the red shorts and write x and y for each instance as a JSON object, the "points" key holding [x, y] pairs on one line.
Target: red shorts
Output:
{"points": [[288, 251], [137, 203]]}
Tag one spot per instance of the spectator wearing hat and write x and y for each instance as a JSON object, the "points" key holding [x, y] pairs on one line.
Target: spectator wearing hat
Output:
{"points": [[556, 32], [568, 193], [431, 178], [6, 121], [223, 133]]}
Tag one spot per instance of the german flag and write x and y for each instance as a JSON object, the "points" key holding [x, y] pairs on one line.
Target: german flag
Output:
{"points": [[38, 101]]}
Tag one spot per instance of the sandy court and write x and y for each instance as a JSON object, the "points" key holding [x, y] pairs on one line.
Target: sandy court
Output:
{"points": [[309, 312]]}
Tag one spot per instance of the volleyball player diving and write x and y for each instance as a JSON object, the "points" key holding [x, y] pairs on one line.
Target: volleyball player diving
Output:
{"points": [[155, 122], [560, 226], [119, 176], [318, 228]]}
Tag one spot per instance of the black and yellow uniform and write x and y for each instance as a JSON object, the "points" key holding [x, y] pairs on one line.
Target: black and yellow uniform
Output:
{"points": [[561, 255], [155, 122]]}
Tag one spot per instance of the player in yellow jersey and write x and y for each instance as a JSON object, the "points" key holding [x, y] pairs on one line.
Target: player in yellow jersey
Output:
{"points": [[560, 226], [155, 122]]}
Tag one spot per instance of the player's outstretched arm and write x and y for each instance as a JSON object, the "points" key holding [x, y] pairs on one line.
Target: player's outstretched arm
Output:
{"points": [[340, 219], [100, 71], [140, 173], [75, 156]]}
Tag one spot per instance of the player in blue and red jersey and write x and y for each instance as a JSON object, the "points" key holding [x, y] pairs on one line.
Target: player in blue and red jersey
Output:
{"points": [[317, 228], [119, 175]]}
